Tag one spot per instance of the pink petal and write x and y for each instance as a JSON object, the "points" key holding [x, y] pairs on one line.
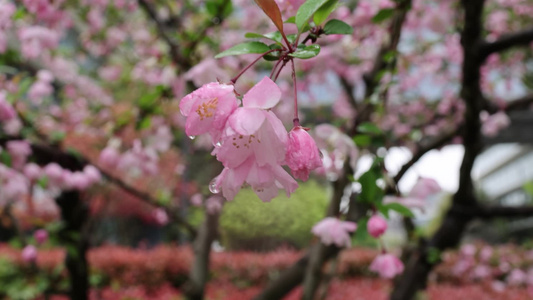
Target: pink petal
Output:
{"points": [[266, 194], [246, 121], [265, 94]]}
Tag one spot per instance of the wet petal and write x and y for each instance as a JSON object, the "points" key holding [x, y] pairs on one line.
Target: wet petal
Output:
{"points": [[265, 94]]}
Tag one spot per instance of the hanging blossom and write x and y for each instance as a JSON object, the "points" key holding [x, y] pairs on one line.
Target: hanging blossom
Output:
{"points": [[387, 265], [334, 231], [376, 226], [423, 189], [302, 153], [250, 141]]}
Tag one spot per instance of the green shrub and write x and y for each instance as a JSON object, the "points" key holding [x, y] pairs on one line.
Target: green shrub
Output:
{"points": [[249, 224]]}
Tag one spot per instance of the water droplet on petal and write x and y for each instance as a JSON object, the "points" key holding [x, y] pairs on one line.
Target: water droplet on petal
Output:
{"points": [[192, 137], [218, 144], [213, 186]]}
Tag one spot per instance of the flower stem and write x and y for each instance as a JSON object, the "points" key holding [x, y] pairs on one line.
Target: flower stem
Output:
{"points": [[296, 120], [275, 66], [279, 70], [234, 79]]}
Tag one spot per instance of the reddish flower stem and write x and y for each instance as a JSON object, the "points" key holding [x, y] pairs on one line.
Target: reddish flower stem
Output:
{"points": [[296, 120], [234, 79], [275, 66], [279, 70]]}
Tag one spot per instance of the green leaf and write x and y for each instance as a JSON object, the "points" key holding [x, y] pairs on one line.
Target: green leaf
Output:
{"points": [[273, 56], [149, 100], [362, 140], [5, 158], [274, 36], [433, 255], [383, 15], [43, 182], [57, 136], [306, 11], [219, 8], [370, 191], [337, 27], [389, 56], [528, 188], [19, 14], [145, 123], [324, 11], [77, 154], [368, 127], [402, 210], [245, 48], [306, 52], [291, 20], [271, 9]]}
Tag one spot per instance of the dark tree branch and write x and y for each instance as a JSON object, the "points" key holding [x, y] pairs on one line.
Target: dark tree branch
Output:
{"points": [[319, 253], [174, 49], [47, 154], [195, 287], [310, 265], [522, 38], [293, 276], [449, 234], [511, 105], [489, 212], [422, 149]]}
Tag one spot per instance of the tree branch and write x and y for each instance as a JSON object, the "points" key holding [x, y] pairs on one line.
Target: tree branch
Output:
{"points": [[448, 235], [174, 50], [522, 38], [423, 149], [489, 212], [47, 154], [511, 105]]}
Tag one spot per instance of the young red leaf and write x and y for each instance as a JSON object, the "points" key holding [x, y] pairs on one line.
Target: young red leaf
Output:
{"points": [[271, 9]]}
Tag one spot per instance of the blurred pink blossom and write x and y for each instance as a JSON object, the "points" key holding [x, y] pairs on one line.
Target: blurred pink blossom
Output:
{"points": [[387, 265], [29, 254], [334, 231], [376, 225], [41, 236]]}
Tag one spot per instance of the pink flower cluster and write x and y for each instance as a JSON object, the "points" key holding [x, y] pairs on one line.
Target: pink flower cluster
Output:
{"points": [[42, 87], [7, 9], [250, 141], [67, 180], [334, 231], [424, 188], [35, 39], [7, 112]]}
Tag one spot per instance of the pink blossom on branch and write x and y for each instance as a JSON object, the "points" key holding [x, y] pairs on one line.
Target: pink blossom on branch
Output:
{"points": [[387, 265], [29, 254], [376, 226], [7, 112], [208, 108], [41, 236], [303, 155], [334, 231], [424, 188], [265, 180]]}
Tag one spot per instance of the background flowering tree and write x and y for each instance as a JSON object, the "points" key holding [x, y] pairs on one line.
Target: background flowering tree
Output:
{"points": [[99, 101]]}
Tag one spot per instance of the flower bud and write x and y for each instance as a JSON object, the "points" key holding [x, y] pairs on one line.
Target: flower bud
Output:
{"points": [[29, 254], [376, 226], [41, 236], [302, 154]]}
